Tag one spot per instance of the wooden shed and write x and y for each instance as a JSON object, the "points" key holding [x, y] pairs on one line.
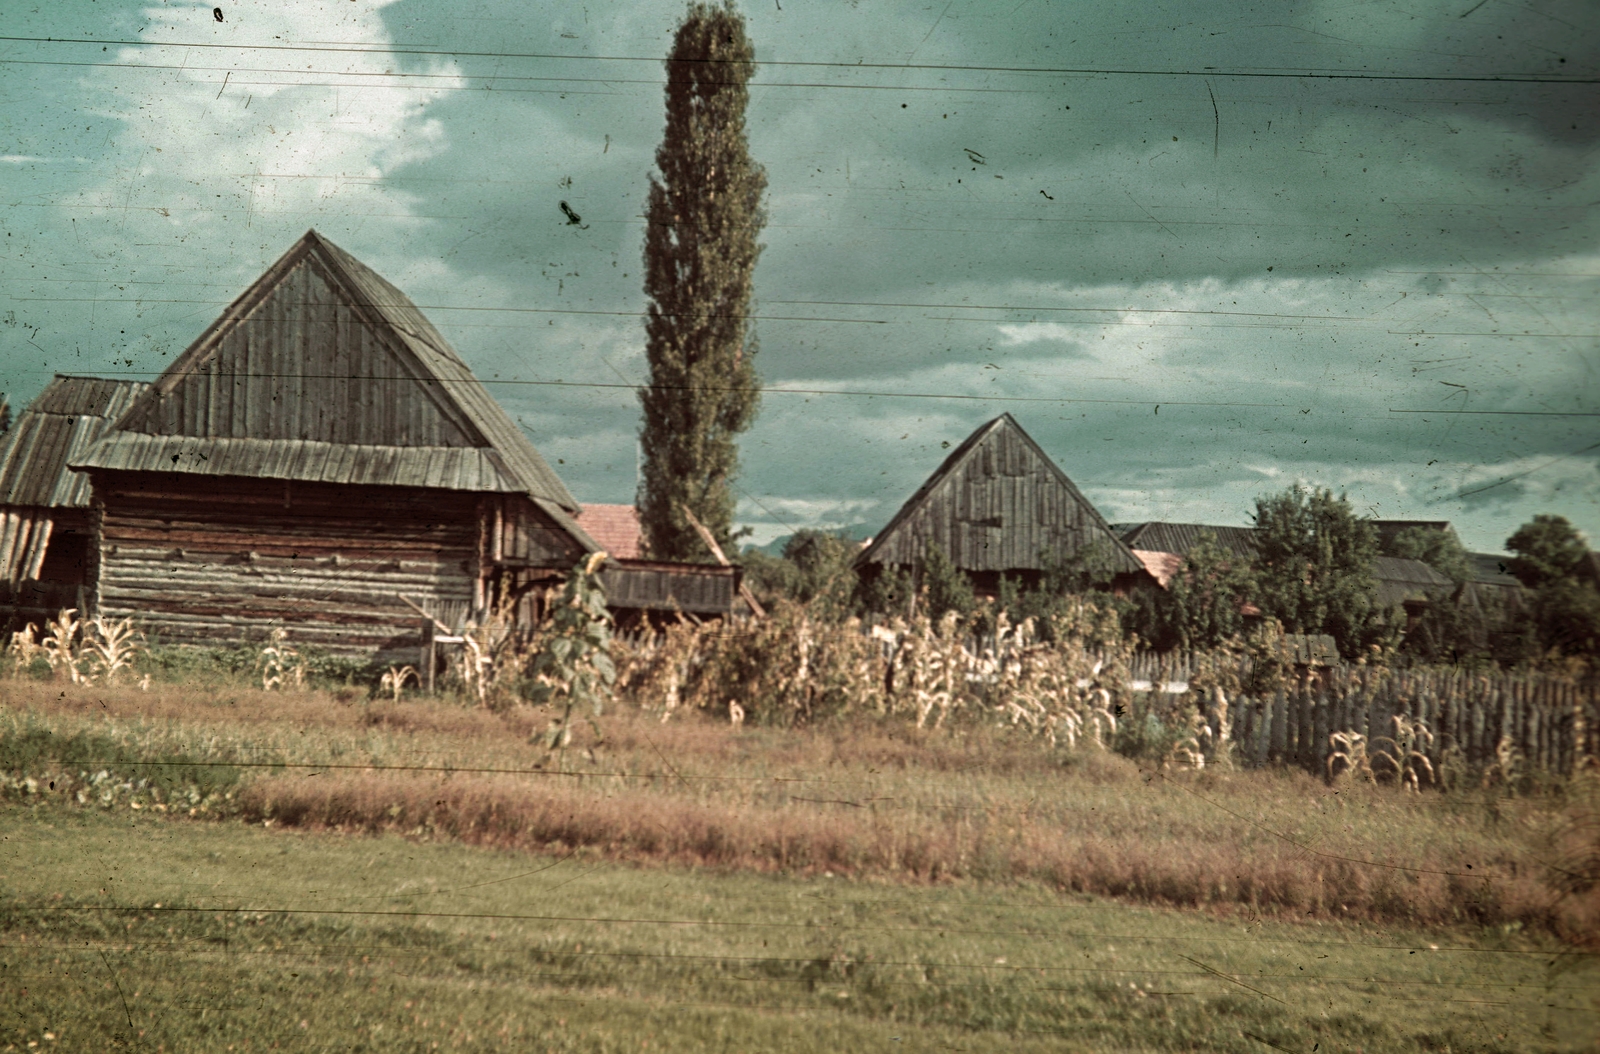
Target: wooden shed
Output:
{"points": [[998, 506], [45, 521], [640, 590], [322, 459]]}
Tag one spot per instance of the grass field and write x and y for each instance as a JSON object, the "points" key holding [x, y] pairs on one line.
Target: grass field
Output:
{"points": [[689, 886], [169, 934]]}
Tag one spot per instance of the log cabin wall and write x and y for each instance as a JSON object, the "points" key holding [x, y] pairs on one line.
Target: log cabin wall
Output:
{"points": [[217, 561]]}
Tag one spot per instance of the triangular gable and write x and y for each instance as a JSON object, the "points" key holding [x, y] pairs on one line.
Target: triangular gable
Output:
{"points": [[998, 503], [321, 350]]}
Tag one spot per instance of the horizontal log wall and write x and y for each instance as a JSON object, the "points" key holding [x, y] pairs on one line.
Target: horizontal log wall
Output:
{"points": [[219, 561]]}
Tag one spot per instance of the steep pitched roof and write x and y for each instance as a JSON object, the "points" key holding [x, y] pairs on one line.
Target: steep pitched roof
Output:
{"points": [[63, 422], [324, 370], [997, 503]]}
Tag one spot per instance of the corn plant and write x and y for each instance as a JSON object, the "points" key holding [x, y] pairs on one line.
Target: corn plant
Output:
{"points": [[60, 645], [1220, 718], [395, 679], [1191, 747], [1408, 763], [1350, 752], [1507, 768], [280, 664], [111, 647], [23, 649]]}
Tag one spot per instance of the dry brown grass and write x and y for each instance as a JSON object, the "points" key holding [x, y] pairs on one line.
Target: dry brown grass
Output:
{"points": [[875, 798]]}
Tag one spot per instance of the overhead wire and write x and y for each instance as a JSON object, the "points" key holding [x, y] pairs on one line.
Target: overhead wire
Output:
{"points": [[938, 67]]}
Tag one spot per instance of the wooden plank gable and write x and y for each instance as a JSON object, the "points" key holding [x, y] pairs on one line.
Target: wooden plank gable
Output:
{"points": [[303, 360], [997, 504]]}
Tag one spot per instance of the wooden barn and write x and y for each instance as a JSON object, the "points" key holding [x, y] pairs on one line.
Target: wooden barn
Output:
{"points": [[321, 458], [45, 508], [998, 506]]}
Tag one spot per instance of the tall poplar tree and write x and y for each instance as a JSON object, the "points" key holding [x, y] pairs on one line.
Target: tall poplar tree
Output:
{"points": [[700, 252]]}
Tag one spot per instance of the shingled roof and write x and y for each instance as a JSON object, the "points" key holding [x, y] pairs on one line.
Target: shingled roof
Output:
{"points": [[614, 528], [63, 422], [324, 371]]}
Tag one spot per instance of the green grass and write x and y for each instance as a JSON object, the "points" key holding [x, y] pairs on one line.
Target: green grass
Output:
{"points": [[315, 942]]}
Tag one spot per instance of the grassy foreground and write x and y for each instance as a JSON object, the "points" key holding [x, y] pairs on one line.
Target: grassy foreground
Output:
{"points": [[123, 930], [877, 800]]}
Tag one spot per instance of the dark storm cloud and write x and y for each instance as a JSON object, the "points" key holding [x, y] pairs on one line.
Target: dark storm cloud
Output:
{"points": [[1327, 251]]}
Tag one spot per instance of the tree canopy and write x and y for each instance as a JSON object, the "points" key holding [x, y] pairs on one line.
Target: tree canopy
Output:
{"points": [[1314, 566], [1548, 548], [702, 220]]}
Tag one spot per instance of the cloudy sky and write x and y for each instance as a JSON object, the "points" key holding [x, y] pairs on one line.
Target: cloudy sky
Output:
{"points": [[1199, 250]]}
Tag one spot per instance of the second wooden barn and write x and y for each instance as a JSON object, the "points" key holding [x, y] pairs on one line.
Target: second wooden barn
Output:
{"points": [[321, 459], [998, 506]]}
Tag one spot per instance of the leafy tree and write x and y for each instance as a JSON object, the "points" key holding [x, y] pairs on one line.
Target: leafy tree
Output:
{"points": [[1203, 604], [1314, 567], [815, 563], [1565, 606], [1439, 549], [1567, 614], [700, 251], [1548, 549], [1066, 583], [945, 586], [822, 562], [769, 577]]}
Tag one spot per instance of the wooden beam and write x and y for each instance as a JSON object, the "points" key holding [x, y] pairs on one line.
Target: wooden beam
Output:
{"points": [[716, 551]]}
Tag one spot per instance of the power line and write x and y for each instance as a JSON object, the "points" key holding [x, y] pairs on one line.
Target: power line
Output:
{"points": [[1196, 312], [1207, 71], [494, 84], [856, 393], [762, 389], [1517, 413]]}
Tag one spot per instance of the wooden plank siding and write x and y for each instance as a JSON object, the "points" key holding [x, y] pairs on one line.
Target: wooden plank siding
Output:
{"points": [[196, 563], [997, 505], [303, 363]]}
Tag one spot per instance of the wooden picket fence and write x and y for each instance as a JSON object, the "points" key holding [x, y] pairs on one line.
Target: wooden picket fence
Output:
{"points": [[1552, 723]]}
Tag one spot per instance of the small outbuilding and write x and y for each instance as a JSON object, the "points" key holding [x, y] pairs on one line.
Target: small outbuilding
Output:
{"points": [[46, 528], [998, 507]]}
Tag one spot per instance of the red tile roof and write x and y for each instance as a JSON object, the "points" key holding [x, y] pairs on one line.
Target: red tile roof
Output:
{"points": [[1162, 566], [615, 528]]}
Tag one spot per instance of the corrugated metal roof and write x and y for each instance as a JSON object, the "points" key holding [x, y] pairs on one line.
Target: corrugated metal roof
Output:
{"points": [[615, 528], [56, 429], [440, 468], [1179, 538], [435, 394], [996, 504], [1401, 580]]}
